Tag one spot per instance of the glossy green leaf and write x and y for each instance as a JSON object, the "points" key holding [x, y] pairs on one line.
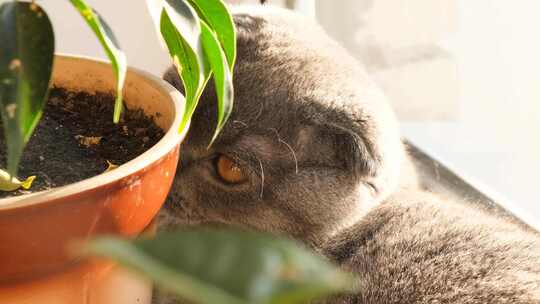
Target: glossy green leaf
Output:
{"points": [[110, 45], [220, 21], [217, 266], [26, 57], [180, 28], [186, 21], [222, 76], [200, 36]]}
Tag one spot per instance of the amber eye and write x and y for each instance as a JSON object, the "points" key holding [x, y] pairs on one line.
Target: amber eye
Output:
{"points": [[229, 171]]}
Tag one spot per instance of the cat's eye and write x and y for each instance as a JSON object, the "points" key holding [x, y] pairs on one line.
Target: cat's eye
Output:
{"points": [[229, 171]]}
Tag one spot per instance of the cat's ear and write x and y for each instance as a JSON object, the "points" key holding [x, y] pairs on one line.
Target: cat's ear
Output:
{"points": [[344, 147]]}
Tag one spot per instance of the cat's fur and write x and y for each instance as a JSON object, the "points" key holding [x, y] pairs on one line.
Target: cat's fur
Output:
{"points": [[323, 155]]}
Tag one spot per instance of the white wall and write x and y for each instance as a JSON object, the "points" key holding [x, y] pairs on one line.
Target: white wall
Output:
{"points": [[130, 22], [399, 43], [497, 136]]}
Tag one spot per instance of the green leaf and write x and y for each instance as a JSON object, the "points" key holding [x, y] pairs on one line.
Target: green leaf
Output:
{"points": [[201, 39], [222, 76], [220, 21], [211, 266], [180, 28], [26, 57], [110, 45]]}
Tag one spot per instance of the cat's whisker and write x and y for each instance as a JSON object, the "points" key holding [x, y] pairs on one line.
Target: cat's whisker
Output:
{"points": [[262, 178], [260, 113], [241, 123], [293, 154], [290, 148]]}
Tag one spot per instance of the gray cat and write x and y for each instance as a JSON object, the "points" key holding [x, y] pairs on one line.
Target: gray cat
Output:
{"points": [[312, 151]]}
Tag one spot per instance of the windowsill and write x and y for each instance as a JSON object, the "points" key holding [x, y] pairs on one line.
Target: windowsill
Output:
{"points": [[489, 153]]}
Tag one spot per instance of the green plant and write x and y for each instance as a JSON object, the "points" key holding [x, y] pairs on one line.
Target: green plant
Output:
{"points": [[204, 266], [199, 35], [26, 59]]}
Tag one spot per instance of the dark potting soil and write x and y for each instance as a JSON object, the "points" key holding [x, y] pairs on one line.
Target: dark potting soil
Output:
{"points": [[76, 137]]}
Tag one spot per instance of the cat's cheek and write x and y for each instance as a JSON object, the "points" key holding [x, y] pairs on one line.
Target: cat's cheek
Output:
{"points": [[264, 219], [367, 201], [182, 206]]}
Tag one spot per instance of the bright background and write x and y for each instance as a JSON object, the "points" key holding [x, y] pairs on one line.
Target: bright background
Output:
{"points": [[463, 75]]}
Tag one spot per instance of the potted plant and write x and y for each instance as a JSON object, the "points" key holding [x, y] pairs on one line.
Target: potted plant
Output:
{"points": [[36, 229]]}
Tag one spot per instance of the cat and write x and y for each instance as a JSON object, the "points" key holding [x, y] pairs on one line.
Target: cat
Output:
{"points": [[313, 151]]}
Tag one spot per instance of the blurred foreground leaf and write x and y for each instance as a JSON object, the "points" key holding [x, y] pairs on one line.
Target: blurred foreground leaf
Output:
{"points": [[211, 266]]}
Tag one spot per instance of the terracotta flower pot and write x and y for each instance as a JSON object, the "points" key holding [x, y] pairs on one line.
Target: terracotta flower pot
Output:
{"points": [[36, 229]]}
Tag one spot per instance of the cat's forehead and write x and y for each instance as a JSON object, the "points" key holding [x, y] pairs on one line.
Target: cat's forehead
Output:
{"points": [[288, 73], [286, 60]]}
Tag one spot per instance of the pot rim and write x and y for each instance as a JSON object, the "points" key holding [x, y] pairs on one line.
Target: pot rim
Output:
{"points": [[167, 143]]}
